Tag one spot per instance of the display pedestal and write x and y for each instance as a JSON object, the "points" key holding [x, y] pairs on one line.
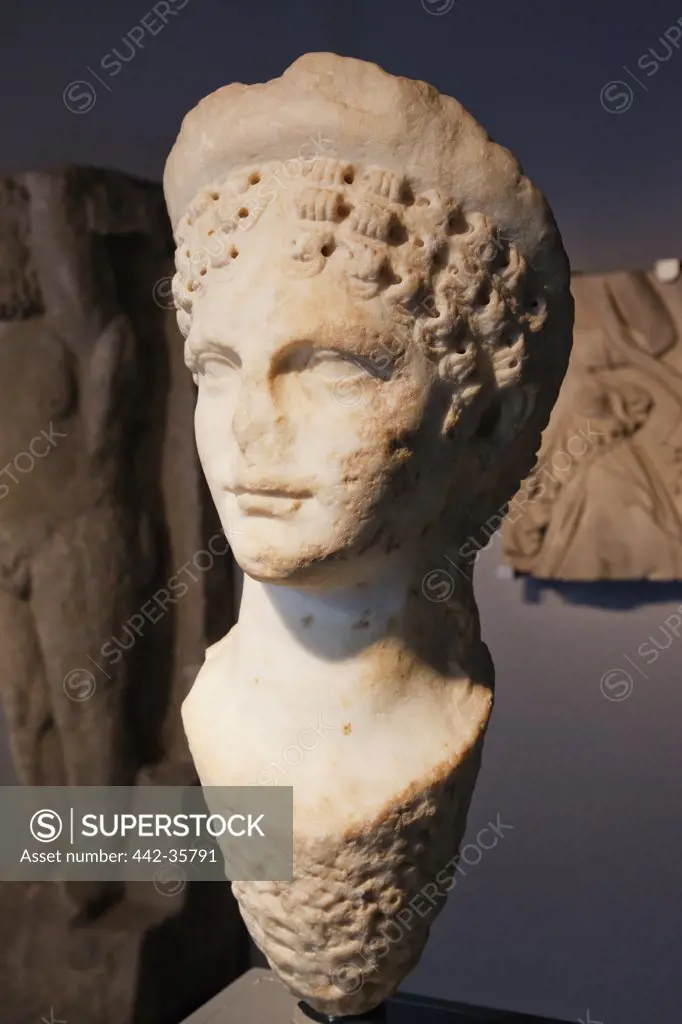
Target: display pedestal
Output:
{"points": [[258, 997]]}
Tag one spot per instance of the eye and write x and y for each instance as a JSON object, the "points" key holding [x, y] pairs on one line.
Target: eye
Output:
{"points": [[217, 364], [308, 359], [332, 364]]}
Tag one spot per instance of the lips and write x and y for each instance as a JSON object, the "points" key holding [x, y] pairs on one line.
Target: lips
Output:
{"points": [[269, 501]]}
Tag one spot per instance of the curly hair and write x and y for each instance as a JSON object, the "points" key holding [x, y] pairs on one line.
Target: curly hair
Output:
{"points": [[463, 286]]}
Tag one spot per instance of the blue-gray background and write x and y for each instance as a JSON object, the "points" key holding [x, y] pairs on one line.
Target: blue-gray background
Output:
{"points": [[531, 71], [578, 910]]}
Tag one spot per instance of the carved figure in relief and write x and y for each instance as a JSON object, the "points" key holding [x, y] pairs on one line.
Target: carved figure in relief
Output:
{"points": [[604, 501]]}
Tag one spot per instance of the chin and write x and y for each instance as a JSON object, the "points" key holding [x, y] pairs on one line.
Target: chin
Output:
{"points": [[271, 551], [294, 569], [306, 566]]}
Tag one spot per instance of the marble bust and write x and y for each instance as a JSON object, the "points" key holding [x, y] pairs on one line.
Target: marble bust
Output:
{"points": [[377, 314]]}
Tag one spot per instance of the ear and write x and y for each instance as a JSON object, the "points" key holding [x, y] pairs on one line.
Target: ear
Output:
{"points": [[502, 421]]}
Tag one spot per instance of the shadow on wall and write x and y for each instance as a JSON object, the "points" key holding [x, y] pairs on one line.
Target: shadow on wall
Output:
{"points": [[171, 951], [618, 595]]}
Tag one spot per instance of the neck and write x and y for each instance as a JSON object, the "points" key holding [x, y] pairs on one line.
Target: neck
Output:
{"points": [[331, 623]]}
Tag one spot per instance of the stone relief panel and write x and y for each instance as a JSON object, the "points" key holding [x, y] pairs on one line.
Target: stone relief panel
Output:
{"points": [[109, 560], [605, 498]]}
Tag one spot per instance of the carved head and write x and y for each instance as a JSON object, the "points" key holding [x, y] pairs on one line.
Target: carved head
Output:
{"points": [[375, 352]]}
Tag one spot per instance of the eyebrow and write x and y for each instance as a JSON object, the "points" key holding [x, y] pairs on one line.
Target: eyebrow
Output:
{"points": [[199, 344], [210, 344]]}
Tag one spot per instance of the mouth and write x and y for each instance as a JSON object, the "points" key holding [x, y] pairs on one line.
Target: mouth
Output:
{"points": [[269, 501]]}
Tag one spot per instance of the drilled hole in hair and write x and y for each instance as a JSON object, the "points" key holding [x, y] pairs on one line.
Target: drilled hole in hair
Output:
{"points": [[211, 232], [254, 178], [457, 223], [234, 252], [397, 234], [441, 259], [343, 210], [349, 176], [242, 212], [484, 291], [215, 196], [327, 249], [387, 277]]}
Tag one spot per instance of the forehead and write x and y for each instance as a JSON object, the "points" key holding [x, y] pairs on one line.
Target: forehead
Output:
{"points": [[266, 299]]}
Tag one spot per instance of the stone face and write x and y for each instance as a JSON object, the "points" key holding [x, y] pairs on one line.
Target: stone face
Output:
{"points": [[605, 499], [377, 314], [104, 615]]}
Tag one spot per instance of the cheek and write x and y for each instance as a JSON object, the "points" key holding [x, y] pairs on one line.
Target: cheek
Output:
{"points": [[212, 432], [324, 400], [378, 445], [202, 428], [395, 418]]}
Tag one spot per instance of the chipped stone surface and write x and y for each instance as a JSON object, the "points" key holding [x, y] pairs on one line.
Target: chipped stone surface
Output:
{"points": [[377, 313]]}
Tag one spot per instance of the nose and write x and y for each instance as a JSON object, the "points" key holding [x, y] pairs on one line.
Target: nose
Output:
{"points": [[256, 422]]}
